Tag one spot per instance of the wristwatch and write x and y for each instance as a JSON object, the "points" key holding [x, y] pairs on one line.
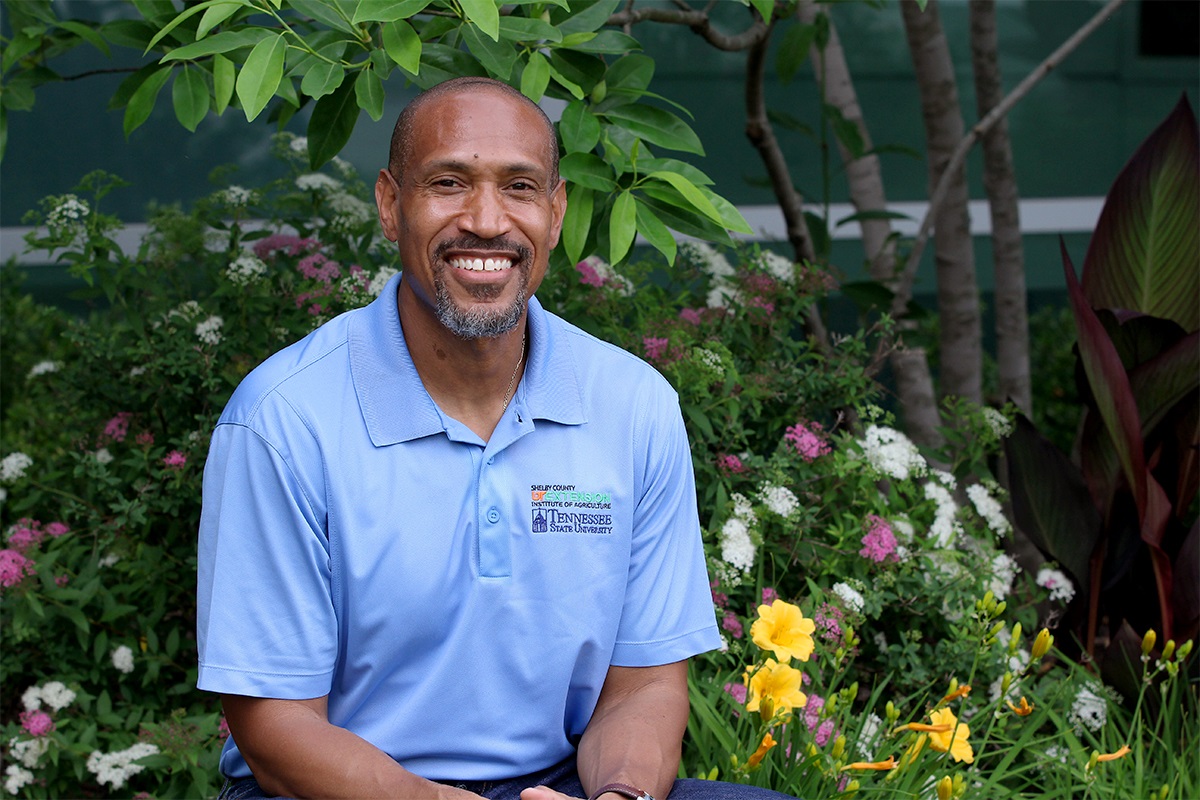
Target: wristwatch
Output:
{"points": [[623, 789]]}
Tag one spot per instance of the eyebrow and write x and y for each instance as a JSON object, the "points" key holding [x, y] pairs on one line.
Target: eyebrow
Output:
{"points": [[458, 165]]}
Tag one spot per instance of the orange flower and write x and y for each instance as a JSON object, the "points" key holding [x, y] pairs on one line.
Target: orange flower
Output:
{"points": [[1124, 751], [782, 629], [767, 743], [954, 739], [1024, 709], [961, 691], [875, 765], [778, 683]]}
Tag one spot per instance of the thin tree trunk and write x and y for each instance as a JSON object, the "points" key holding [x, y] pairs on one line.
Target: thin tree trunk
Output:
{"points": [[961, 363], [914, 384], [999, 179]]}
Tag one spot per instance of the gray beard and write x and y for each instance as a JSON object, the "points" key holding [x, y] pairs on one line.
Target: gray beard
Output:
{"points": [[477, 323]]}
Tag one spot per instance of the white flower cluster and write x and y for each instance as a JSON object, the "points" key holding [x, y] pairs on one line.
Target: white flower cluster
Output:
{"points": [[989, 508], [28, 751], [245, 269], [235, 195], [44, 368], [1001, 426], [103, 456], [380, 279], [1059, 584], [216, 241], [122, 659], [67, 218], [1004, 569], [711, 362], [1090, 710], [299, 145], [780, 268], [946, 527], [348, 211], [850, 596], [13, 466], [317, 182], [737, 545], [53, 693], [187, 310], [779, 499], [17, 778], [610, 276], [713, 264], [110, 560], [868, 736], [345, 168], [116, 768], [209, 331], [891, 453]]}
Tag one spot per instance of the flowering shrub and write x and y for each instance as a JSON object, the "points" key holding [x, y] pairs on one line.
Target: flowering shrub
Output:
{"points": [[857, 580]]}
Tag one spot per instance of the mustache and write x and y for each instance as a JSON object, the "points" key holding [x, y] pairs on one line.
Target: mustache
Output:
{"points": [[469, 241]]}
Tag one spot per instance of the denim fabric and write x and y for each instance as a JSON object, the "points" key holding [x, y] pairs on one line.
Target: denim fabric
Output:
{"points": [[562, 778]]}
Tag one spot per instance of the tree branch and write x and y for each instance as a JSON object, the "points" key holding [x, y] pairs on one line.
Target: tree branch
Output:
{"points": [[904, 288], [698, 21]]}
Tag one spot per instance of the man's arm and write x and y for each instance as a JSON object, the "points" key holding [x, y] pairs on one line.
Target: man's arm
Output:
{"points": [[636, 732], [294, 751]]}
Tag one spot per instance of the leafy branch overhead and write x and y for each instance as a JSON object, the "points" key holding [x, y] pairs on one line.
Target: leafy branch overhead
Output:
{"points": [[272, 58]]}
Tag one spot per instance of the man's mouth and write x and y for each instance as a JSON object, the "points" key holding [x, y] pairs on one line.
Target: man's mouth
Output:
{"points": [[481, 264]]}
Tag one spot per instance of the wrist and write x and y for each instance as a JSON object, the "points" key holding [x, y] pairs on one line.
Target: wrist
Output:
{"points": [[612, 791]]}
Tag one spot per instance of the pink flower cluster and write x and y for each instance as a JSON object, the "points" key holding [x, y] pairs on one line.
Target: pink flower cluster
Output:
{"points": [[731, 623], [812, 719], [828, 620], [720, 599], [291, 245], [692, 316], [730, 465], [807, 440], [317, 267], [769, 596], [174, 460], [880, 543], [29, 533], [737, 691], [588, 275], [37, 723], [117, 428], [14, 567]]}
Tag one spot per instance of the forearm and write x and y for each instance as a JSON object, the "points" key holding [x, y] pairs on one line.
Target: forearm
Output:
{"points": [[294, 751], [635, 733]]}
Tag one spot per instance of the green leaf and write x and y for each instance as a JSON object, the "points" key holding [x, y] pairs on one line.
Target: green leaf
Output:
{"points": [[679, 215], [174, 23], [216, 14], [132, 33], [579, 127], [141, 103], [578, 221], [764, 7], [535, 77], [846, 131], [331, 123], [222, 42], [691, 192], [608, 42], [485, 14], [260, 75], [322, 78], [190, 97], [21, 45], [224, 76], [497, 56], [156, 12], [656, 126], [675, 165], [656, 233], [797, 40], [331, 13], [441, 63], [528, 29], [587, 170], [387, 10], [88, 34], [590, 17], [622, 226], [630, 73], [574, 88], [368, 92], [403, 45], [1145, 253]]}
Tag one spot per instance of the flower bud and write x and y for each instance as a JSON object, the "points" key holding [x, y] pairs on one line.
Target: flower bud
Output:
{"points": [[1185, 649], [831, 703], [891, 712], [1164, 791], [852, 786], [989, 601], [1168, 650], [953, 686], [1148, 641], [1003, 604], [1041, 645], [995, 631], [945, 788], [1093, 761], [1005, 682], [1015, 642], [839, 746]]}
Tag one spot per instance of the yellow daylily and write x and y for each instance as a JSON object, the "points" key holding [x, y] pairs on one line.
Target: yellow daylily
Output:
{"points": [[890, 763], [767, 743], [777, 683], [954, 738], [782, 629]]}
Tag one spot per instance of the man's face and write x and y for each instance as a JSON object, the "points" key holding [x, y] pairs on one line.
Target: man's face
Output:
{"points": [[475, 216]]}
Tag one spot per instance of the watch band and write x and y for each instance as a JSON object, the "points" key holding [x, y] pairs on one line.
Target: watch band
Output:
{"points": [[623, 789]]}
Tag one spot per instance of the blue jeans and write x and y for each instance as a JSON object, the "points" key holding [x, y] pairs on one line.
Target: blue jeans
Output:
{"points": [[561, 777]]}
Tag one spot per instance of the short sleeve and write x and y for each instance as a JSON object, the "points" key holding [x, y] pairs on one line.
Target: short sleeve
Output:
{"points": [[668, 614], [266, 626]]}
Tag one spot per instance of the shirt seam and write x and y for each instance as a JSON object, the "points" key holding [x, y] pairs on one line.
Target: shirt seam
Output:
{"points": [[667, 640]]}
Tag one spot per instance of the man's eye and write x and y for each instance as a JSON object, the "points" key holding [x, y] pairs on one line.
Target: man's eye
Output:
{"points": [[522, 186]]}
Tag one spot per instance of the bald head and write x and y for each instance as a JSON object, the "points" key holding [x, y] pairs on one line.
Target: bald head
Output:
{"points": [[409, 119]]}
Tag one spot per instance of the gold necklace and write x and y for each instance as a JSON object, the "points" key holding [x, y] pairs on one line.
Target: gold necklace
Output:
{"points": [[509, 391]]}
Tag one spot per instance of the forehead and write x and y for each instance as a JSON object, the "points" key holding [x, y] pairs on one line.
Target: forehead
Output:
{"points": [[478, 126]]}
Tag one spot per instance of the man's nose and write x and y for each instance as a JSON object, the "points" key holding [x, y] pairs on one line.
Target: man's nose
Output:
{"points": [[486, 214]]}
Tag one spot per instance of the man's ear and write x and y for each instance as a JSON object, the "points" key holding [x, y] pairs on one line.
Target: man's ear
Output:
{"points": [[387, 195], [558, 208]]}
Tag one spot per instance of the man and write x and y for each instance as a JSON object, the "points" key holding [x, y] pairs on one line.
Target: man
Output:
{"points": [[449, 544]]}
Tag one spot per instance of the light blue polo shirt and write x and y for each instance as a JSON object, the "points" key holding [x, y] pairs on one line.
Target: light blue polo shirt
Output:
{"points": [[458, 601]]}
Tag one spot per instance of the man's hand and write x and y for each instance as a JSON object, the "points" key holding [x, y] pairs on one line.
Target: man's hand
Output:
{"points": [[544, 793]]}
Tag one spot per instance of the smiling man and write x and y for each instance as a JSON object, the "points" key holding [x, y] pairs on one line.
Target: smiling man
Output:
{"points": [[449, 544]]}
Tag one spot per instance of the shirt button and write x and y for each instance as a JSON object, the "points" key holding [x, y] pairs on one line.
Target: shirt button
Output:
{"points": [[491, 461], [493, 515]]}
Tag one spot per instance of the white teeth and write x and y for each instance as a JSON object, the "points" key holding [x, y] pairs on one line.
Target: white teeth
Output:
{"points": [[481, 264]]}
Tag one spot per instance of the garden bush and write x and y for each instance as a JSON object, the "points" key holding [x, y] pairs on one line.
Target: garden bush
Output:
{"points": [[879, 638]]}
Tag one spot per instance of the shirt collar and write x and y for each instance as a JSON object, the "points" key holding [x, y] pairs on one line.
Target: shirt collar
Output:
{"points": [[394, 403]]}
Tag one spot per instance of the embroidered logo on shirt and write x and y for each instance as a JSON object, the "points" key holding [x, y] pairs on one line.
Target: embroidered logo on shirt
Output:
{"points": [[567, 509]]}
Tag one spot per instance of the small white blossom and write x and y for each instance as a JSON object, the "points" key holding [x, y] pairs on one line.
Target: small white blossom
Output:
{"points": [[989, 509], [116, 768], [317, 182], [946, 527], [737, 548], [245, 269], [891, 453], [868, 736], [380, 280], [43, 368], [778, 267], [13, 466], [235, 195], [216, 241], [348, 211], [56, 695], [1000, 424], [299, 145], [1090, 710], [944, 478], [743, 509], [68, 217], [1059, 584], [109, 560], [32, 698], [17, 778], [779, 499], [347, 170], [850, 596], [102, 456], [28, 751], [711, 361], [136, 371], [707, 258], [122, 659], [1004, 569], [187, 310], [209, 331]]}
